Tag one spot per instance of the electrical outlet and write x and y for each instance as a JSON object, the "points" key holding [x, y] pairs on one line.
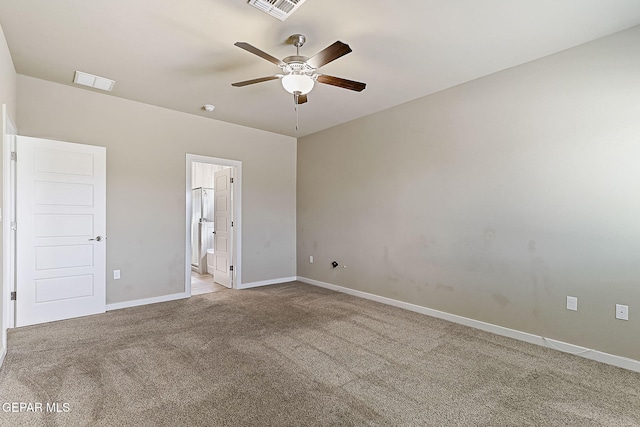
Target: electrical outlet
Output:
{"points": [[116, 274], [310, 259], [572, 303], [622, 312]]}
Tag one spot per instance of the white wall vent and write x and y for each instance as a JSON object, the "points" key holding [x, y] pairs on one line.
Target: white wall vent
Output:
{"points": [[280, 9]]}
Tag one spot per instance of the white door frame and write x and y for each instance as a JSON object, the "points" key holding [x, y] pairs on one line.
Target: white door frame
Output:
{"points": [[8, 213], [236, 255]]}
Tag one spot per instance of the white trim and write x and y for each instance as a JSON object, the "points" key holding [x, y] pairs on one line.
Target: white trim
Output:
{"points": [[267, 282], [8, 244], [187, 231], [237, 217], [181, 295], [145, 301], [587, 353]]}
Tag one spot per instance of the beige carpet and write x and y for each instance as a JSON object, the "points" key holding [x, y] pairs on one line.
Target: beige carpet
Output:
{"points": [[296, 355]]}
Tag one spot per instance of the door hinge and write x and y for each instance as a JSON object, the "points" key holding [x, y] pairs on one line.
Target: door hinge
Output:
{"points": [[231, 268], [232, 180], [232, 223], [13, 295], [14, 156], [14, 226]]}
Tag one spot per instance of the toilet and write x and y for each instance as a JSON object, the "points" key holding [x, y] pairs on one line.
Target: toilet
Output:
{"points": [[210, 261]]}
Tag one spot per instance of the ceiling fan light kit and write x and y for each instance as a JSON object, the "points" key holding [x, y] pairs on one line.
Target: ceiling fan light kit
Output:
{"points": [[300, 83], [299, 73]]}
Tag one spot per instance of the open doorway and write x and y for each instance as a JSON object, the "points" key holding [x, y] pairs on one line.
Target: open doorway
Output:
{"points": [[213, 224]]}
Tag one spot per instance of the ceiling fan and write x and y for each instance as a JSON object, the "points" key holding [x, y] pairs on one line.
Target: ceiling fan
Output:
{"points": [[299, 73]]}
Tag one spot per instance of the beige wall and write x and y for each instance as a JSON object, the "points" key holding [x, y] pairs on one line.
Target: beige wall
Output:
{"points": [[7, 97], [7, 79], [146, 148], [493, 200]]}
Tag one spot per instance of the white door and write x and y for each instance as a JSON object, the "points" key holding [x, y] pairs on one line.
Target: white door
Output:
{"points": [[61, 224], [222, 228]]}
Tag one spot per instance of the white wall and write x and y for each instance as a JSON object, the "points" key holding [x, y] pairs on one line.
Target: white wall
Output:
{"points": [[146, 148], [492, 200]]}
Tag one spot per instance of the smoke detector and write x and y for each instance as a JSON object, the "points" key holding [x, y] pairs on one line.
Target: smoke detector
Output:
{"points": [[280, 9]]}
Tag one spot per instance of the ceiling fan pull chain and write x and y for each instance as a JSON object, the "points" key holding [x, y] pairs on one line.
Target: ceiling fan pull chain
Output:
{"points": [[296, 95]]}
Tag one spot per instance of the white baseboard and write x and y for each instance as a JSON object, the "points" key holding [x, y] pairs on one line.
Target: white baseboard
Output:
{"points": [[145, 301], [3, 353], [165, 298], [267, 282], [587, 353]]}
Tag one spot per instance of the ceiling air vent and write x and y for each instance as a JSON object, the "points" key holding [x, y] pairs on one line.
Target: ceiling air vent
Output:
{"points": [[280, 9], [95, 82]]}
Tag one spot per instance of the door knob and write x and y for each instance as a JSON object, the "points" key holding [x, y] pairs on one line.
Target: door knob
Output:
{"points": [[98, 239]]}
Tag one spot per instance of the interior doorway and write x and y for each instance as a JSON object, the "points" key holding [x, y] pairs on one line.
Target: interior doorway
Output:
{"points": [[213, 224]]}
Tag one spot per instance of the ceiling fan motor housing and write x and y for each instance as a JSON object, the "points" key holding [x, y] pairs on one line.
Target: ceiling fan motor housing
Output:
{"points": [[297, 65]]}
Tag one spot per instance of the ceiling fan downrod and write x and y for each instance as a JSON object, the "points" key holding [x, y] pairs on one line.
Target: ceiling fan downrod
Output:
{"points": [[298, 41]]}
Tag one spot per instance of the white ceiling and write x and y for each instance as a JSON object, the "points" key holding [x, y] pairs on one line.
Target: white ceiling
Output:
{"points": [[180, 54]]}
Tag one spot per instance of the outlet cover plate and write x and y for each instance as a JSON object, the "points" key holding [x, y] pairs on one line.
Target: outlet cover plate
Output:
{"points": [[572, 303], [622, 312]]}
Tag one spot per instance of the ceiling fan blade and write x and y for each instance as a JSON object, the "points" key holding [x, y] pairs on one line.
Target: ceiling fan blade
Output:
{"points": [[329, 54], [300, 99], [340, 82], [261, 54], [250, 82]]}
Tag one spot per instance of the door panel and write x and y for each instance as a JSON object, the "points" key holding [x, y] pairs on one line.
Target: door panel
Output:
{"points": [[61, 209], [63, 288], [62, 194], [222, 228], [51, 225], [65, 163], [68, 256]]}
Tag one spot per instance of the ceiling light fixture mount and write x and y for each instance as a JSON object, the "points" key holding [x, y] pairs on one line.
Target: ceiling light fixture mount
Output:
{"points": [[298, 41]]}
